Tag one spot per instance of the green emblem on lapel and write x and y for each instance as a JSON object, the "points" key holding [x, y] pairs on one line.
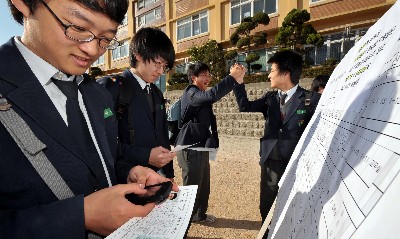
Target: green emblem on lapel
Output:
{"points": [[107, 113], [162, 107], [299, 112], [300, 122]]}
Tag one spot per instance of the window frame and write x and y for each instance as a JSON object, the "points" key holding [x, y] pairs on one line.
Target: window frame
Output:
{"points": [[119, 55], [153, 11], [145, 3], [191, 21], [99, 61], [241, 3]]}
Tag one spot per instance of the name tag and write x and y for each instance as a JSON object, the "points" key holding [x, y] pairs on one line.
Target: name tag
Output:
{"points": [[107, 113], [299, 112]]}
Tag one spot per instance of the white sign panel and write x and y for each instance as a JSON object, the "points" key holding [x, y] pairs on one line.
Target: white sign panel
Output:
{"points": [[343, 178]]}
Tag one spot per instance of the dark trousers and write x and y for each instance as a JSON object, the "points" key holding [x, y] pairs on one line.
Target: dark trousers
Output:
{"points": [[271, 173], [195, 167]]}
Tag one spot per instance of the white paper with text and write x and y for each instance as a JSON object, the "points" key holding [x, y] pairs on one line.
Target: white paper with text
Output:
{"points": [[168, 220]]}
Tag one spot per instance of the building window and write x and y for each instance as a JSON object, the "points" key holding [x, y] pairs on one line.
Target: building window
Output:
{"points": [[192, 26], [150, 16], [121, 51], [99, 61], [313, 1], [335, 46], [247, 8], [144, 3]]}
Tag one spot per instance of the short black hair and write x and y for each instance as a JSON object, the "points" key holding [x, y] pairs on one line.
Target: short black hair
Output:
{"points": [[114, 9], [151, 43], [195, 69], [288, 61], [319, 82]]}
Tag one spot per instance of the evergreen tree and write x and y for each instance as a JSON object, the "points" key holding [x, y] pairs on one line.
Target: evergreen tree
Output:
{"points": [[243, 38], [211, 53], [294, 33]]}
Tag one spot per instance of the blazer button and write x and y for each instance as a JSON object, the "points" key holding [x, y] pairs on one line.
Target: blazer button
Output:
{"points": [[280, 130]]}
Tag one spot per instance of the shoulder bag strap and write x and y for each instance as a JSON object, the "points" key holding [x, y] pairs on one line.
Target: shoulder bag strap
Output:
{"points": [[32, 148]]}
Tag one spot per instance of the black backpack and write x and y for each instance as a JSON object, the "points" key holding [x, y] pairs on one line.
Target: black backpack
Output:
{"points": [[124, 91]]}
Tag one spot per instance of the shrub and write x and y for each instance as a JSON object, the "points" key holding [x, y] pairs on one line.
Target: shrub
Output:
{"points": [[331, 62], [178, 78], [256, 67], [313, 72], [179, 86], [254, 78]]}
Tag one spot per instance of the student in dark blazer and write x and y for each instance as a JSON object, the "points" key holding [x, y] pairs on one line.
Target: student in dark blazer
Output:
{"points": [[197, 105], [151, 55], [286, 116], [33, 67]]}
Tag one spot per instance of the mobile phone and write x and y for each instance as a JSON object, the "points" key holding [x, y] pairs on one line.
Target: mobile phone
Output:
{"points": [[156, 193]]}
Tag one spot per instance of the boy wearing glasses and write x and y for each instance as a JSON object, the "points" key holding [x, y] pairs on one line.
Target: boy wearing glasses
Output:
{"points": [[143, 130], [57, 173]]}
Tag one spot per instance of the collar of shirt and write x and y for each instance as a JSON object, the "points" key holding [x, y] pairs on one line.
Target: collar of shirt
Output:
{"points": [[141, 82], [41, 68], [44, 72], [289, 93]]}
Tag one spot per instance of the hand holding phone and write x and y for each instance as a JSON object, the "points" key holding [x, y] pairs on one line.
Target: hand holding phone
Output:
{"points": [[156, 193]]}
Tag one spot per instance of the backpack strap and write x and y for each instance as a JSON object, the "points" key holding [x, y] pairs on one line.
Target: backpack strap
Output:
{"points": [[307, 100], [32, 148], [186, 116], [125, 93]]}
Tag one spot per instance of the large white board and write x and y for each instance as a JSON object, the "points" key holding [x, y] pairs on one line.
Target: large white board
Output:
{"points": [[343, 178]]}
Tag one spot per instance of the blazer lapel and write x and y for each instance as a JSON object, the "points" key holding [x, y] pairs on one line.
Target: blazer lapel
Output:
{"points": [[138, 93], [158, 106], [275, 108], [30, 97], [296, 101]]}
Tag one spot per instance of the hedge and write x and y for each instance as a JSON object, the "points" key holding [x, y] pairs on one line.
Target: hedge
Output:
{"points": [[314, 71]]}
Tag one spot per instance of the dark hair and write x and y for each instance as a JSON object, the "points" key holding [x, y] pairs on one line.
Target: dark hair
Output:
{"points": [[288, 61], [195, 69], [114, 9], [151, 43], [319, 82]]}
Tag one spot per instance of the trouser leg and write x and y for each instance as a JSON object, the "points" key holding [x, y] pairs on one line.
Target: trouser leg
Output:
{"points": [[271, 172], [204, 194], [193, 165]]}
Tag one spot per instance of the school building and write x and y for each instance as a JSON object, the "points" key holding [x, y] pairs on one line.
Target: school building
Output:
{"points": [[193, 22]]}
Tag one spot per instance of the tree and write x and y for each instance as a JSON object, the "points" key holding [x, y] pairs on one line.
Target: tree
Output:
{"points": [[294, 33], [243, 38], [212, 54]]}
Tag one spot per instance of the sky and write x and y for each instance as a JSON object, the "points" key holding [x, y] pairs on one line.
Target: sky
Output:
{"points": [[8, 27]]}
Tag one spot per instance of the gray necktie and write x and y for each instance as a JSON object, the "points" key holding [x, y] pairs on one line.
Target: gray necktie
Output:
{"points": [[283, 97]]}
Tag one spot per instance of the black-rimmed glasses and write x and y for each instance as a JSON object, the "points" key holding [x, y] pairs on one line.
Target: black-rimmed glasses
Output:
{"points": [[160, 65], [80, 34]]}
